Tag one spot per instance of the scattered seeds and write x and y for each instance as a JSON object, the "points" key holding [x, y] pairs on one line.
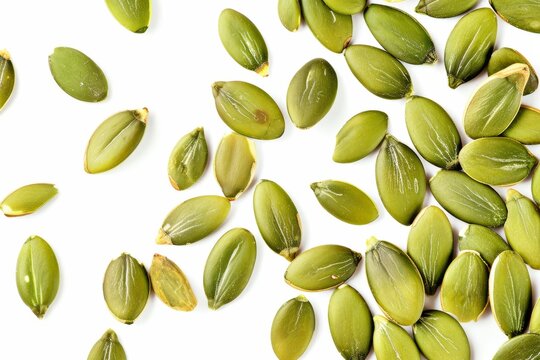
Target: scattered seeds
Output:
{"points": [[504, 57], [391, 342], [107, 348], [188, 160], [27, 199], [7, 77], [483, 240], [134, 15]]}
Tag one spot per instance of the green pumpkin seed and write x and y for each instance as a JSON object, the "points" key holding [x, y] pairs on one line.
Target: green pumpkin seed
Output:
{"points": [[534, 326], [483, 240], [497, 161], [234, 165], [311, 93], [277, 219], [345, 201], [523, 14], [394, 281], [292, 328], [248, 110], [535, 185], [391, 342], [469, 46], [78, 75], [347, 7], [401, 180], [333, 30], [290, 14], [360, 136], [379, 72], [114, 140], [322, 267], [38, 275], [505, 57], [467, 199], [464, 290], [444, 8], [526, 126], [350, 323], [439, 336], [188, 159], [27, 199], [510, 293], [430, 245], [107, 348], [433, 132], [171, 285], [400, 34], [126, 288], [134, 15], [523, 347], [7, 77], [193, 220], [243, 41], [522, 228], [229, 267]]}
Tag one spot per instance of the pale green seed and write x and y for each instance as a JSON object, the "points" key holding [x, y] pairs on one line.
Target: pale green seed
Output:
{"points": [[345, 201], [444, 8], [523, 14], [526, 126], [391, 342], [27, 199], [134, 15], [504, 57], [114, 140], [108, 347], [229, 267], [535, 185], [193, 220], [7, 77], [347, 7], [290, 14], [522, 347], [37, 275], [534, 325], [188, 159], [483, 240]]}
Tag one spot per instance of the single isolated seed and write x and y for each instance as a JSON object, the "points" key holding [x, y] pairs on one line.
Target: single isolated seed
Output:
{"points": [[525, 127], [392, 342], [7, 77], [522, 347], [134, 15], [188, 159], [347, 7], [108, 347], [27, 199], [444, 8], [523, 14], [504, 57], [534, 325], [290, 14], [483, 240]]}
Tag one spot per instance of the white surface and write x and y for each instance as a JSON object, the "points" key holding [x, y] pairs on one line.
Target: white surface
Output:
{"points": [[94, 218]]}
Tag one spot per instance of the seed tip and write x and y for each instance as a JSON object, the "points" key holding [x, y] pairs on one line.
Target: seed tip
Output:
{"points": [[263, 69]]}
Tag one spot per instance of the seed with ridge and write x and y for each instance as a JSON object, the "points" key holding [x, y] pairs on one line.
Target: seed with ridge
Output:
{"points": [[522, 347], [444, 8], [523, 14], [483, 240], [392, 342], [134, 15], [107, 348], [188, 160], [504, 57], [27, 199], [525, 127]]}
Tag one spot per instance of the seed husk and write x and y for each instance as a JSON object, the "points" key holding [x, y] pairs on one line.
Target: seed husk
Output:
{"points": [[467, 199], [497, 161], [464, 290], [193, 220], [361, 135], [188, 159], [504, 57], [469, 46], [134, 15], [248, 110], [234, 165], [401, 180], [534, 325], [483, 240], [322, 267], [126, 288], [444, 8], [523, 14], [229, 267], [522, 347], [108, 347], [400, 34], [510, 293], [78, 75], [290, 14], [345, 201], [27, 199], [171, 285], [526, 126], [7, 77], [333, 30], [440, 337], [347, 7], [392, 342], [243, 41], [292, 328], [379, 72], [433, 132], [311, 93], [114, 140], [38, 275], [277, 219]]}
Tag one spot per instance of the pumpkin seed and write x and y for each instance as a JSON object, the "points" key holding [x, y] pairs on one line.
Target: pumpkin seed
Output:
{"points": [[134, 15], [483, 240], [505, 57], [27, 199], [444, 8], [526, 126], [391, 342], [188, 160], [290, 14], [522, 347], [534, 326], [535, 185], [107, 348], [347, 7], [523, 14], [7, 77]]}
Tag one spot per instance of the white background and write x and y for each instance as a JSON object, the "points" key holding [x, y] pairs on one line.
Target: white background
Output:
{"points": [[169, 69]]}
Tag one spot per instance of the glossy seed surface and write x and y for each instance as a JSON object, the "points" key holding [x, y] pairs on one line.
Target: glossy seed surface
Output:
{"points": [[504, 57], [7, 77], [134, 15], [108, 347], [188, 159], [27, 199]]}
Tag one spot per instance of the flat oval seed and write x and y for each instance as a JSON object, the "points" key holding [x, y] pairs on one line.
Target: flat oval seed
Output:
{"points": [[360, 136], [345, 201], [171, 285], [277, 219], [234, 165], [114, 140], [322, 267], [497, 161], [483, 240], [193, 220], [311, 93], [290, 14], [440, 337], [469, 46], [7, 77], [535, 185], [433, 132], [229, 267], [391, 342], [134, 15], [188, 159], [401, 180], [107, 348], [126, 288], [333, 30], [243, 41], [292, 328], [379, 72], [347, 7], [523, 347], [78, 75], [467, 199], [464, 290], [505, 57], [534, 326], [27, 199], [38, 275], [523, 14], [350, 323], [510, 293], [248, 110], [444, 8], [525, 127]]}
